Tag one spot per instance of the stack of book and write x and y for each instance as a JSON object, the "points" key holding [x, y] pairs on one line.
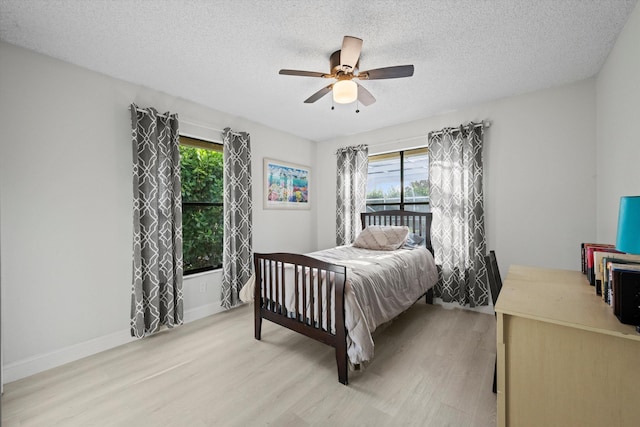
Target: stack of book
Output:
{"points": [[616, 278]]}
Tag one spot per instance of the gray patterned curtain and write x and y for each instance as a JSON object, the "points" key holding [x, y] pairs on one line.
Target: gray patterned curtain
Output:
{"points": [[351, 191], [237, 264], [156, 298], [455, 176]]}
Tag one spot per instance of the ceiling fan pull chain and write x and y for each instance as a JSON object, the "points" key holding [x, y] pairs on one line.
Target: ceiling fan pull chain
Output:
{"points": [[357, 106]]}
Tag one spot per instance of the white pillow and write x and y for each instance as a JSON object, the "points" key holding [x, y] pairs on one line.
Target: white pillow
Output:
{"points": [[382, 237]]}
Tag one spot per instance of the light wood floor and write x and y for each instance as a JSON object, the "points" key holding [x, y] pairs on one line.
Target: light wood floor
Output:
{"points": [[433, 367]]}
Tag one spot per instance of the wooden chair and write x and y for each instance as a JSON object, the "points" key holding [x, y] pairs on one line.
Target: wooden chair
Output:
{"points": [[495, 284], [493, 273]]}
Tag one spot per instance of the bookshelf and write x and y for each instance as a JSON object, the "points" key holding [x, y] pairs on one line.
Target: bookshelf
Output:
{"points": [[563, 357]]}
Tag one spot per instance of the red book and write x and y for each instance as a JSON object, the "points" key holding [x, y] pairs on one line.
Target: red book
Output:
{"points": [[583, 249], [590, 248]]}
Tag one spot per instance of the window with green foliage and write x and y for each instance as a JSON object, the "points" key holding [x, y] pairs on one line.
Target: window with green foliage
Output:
{"points": [[202, 173], [399, 180]]}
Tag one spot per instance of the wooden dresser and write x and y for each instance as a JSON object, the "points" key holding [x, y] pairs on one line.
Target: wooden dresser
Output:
{"points": [[563, 357]]}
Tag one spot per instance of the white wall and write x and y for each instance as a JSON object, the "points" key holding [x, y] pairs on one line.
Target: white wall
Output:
{"points": [[539, 159], [66, 207], [618, 141]]}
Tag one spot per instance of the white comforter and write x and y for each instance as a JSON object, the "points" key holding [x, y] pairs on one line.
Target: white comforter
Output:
{"points": [[380, 285]]}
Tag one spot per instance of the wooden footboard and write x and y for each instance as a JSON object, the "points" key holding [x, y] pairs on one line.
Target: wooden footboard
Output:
{"points": [[311, 303]]}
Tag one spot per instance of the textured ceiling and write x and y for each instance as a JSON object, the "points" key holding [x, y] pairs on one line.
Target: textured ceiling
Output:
{"points": [[226, 54]]}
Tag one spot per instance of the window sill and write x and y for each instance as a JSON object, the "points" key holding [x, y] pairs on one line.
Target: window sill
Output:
{"points": [[202, 273]]}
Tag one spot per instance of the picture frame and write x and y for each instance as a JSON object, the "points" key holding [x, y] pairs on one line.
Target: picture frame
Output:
{"points": [[286, 185]]}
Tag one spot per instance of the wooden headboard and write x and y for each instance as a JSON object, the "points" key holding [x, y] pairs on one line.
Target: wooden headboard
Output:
{"points": [[418, 222]]}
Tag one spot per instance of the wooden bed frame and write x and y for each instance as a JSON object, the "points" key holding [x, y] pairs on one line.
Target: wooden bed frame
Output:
{"points": [[269, 280]]}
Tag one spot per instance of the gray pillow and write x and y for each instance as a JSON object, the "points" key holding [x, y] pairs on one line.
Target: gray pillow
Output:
{"points": [[413, 241]]}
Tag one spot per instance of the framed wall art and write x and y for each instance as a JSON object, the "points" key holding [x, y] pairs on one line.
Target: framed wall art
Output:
{"points": [[286, 185]]}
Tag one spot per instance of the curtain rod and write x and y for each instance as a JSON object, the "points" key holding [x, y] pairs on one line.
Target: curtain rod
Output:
{"points": [[481, 124], [485, 124], [141, 110]]}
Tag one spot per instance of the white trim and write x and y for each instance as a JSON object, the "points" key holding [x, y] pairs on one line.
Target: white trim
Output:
{"points": [[200, 131], [397, 141], [203, 311], [191, 135], [200, 274], [32, 365]]}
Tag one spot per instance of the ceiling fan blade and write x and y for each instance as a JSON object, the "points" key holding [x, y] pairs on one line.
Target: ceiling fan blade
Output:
{"points": [[319, 94], [364, 96], [302, 73], [387, 73], [350, 52]]}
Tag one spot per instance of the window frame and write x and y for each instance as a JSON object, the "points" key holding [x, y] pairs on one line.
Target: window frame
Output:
{"points": [[202, 143], [402, 203]]}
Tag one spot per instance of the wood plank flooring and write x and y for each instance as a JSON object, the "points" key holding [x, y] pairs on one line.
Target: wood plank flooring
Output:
{"points": [[433, 367]]}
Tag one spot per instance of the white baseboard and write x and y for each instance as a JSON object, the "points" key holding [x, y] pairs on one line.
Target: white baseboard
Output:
{"points": [[33, 365], [202, 311]]}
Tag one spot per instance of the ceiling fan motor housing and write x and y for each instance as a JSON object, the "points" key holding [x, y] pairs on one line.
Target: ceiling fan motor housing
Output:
{"points": [[335, 66]]}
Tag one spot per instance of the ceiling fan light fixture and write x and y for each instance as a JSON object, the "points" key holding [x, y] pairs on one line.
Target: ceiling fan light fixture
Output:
{"points": [[345, 91]]}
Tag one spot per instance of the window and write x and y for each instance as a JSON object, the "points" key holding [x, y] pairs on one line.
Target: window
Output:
{"points": [[399, 180], [202, 204]]}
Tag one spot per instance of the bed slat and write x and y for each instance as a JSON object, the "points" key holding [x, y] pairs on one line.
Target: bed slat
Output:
{"points": [[304, 298]]}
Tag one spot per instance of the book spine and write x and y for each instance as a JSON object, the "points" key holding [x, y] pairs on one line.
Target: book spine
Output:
{"points": [[610, 286], [605, 282]]}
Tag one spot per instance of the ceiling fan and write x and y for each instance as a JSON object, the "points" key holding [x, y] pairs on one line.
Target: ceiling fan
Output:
{"points": [[343, 66]]}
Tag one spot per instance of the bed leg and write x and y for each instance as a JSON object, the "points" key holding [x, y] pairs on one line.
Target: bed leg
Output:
{"points": [[258, 323], [429, 296], [343, 368]]}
